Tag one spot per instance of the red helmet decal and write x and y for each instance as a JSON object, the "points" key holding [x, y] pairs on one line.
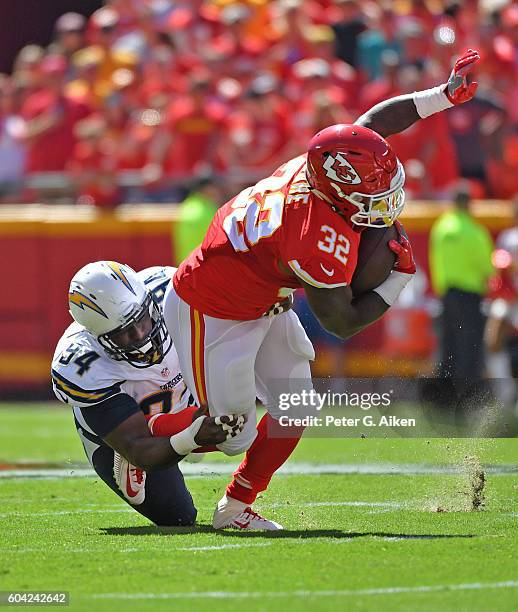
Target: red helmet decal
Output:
{"points": [[339, 169], [344, 160]]}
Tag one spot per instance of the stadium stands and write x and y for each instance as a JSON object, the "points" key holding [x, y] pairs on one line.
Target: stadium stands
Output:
{"points": [[127, 105]]}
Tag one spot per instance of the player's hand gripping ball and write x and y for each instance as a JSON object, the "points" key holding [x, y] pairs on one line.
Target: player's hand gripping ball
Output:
{"points": [[403, 249], [376, 259], [458, 88]]}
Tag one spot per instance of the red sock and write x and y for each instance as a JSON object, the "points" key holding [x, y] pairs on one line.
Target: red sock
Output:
{"points": [[164, 425], [263, 459]]}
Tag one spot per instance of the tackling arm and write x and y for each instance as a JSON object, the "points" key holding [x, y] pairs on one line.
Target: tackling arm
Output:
{"points": [[397, 114], [133, 440]]}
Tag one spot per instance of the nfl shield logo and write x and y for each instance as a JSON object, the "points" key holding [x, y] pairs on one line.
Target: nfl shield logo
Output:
{"points": [[165, 372]]}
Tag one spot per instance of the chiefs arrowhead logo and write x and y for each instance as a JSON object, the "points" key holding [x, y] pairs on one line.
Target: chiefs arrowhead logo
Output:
{"points": [[339, 169]]}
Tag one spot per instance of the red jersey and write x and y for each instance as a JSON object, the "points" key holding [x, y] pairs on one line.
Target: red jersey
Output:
{"points": [[262, 243], [50, 150]]}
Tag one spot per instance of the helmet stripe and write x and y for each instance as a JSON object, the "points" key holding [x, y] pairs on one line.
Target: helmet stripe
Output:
{"points": [[116, 268]]}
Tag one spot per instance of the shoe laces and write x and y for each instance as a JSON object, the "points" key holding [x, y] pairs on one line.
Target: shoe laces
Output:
{"points": [[250, 514], [137, 475]]}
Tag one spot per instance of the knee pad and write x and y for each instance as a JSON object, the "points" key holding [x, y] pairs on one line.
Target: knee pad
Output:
{"points": [[173, 518], [232, 383]]}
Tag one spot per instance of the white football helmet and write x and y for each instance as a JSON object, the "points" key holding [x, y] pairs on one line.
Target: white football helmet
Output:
{"points": [[105, 297]]}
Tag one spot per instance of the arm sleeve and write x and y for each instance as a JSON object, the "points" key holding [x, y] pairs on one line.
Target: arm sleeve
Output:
{"points": [[107, 415]]}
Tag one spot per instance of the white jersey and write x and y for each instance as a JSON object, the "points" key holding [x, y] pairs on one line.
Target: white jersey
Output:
{"points": [[83, 375]]}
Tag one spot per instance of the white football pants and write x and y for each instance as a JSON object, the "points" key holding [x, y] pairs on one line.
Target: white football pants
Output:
{"points": [[228, 364]]}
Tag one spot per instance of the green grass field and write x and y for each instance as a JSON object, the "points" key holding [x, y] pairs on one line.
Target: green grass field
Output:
{"points": [[369, 539]]}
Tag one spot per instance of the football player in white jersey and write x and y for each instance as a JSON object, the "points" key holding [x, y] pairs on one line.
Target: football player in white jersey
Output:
{"points": [[116, 364]]}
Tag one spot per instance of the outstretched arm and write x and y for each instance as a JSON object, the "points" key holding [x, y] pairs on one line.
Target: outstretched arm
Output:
{"points": [[397, 114], [391, 116]]}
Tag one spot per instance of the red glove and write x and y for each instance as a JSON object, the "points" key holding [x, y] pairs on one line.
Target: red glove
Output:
{"points": [[458, 90], [402, 248]]}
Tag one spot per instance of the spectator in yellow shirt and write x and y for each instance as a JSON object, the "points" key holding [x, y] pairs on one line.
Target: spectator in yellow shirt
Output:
{"points": [[460, 267], [196, 213]]}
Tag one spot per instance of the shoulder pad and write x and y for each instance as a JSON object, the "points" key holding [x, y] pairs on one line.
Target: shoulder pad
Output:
{"points": [[81, 374], [157, 279]]}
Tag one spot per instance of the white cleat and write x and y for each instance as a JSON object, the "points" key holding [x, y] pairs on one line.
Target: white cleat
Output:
{"points": [[231, 513], [130, 480]]}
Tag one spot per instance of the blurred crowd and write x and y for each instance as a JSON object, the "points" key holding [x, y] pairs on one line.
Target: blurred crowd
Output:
{"points": [[131, 103]]}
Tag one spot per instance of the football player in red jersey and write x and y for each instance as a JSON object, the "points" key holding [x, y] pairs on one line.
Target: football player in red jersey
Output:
{"points": [[228, 306]]}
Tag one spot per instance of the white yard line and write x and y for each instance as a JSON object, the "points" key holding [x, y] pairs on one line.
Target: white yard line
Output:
{"points": [[47, 474], [328, 540], [62, 551], [30, 515], [225, 546], [295, 468], [208, 548], [124, 508], [322, 504], [474, 586]]}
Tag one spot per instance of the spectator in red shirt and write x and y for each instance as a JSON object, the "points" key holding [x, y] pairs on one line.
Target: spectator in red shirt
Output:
{"points": [[92, 164], [383, 88], [193, 130], [69, 32], [320, 103], [503, 171], [27, 68], [50, 119], [261, 128]]}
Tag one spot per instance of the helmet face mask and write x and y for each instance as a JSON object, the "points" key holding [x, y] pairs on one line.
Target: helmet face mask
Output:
{"points": [[356, 171], [377, 210], [148, 351]]}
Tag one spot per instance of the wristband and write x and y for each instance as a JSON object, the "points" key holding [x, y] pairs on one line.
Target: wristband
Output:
{"points": [[390, 288], [431, 101], [183, 443]]}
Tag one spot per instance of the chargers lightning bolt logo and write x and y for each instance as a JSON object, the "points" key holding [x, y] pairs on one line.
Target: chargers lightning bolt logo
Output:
{"points": [[116, 268], [82, 301]]}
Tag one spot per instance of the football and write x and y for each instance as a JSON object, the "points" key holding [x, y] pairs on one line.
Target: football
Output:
{"points": [[375, 259]]}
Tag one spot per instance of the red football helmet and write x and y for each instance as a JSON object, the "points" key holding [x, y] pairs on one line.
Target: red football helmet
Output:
{"points": [[356, 171]]}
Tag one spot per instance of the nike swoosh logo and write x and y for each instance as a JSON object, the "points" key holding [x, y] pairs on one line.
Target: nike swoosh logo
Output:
{"points": [[129, 490], [328, 272], [242, 525]]}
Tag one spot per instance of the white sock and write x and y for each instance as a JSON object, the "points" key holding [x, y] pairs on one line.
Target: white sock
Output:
{"points": [[230, 502]]}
